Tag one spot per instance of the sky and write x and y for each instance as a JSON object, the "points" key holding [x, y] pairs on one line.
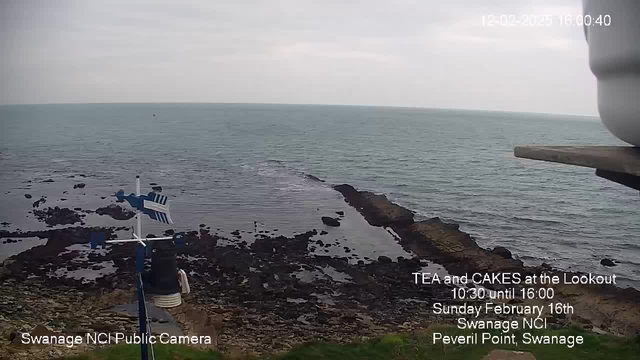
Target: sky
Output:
{"points": [[420, 53]]}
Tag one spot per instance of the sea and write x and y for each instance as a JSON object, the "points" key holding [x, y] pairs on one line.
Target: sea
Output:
{"points": [[245, 166]]}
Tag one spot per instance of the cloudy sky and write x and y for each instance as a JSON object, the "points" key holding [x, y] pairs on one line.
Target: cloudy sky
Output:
{"points": [[371, 52]]}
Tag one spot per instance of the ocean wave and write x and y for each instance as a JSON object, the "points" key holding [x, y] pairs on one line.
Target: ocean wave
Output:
{"points": [[543, 221], [288, 178]]}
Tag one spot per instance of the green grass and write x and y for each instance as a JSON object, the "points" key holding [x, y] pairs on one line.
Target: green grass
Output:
{"points": [[404, 347], [162, 352], [419, 347]]}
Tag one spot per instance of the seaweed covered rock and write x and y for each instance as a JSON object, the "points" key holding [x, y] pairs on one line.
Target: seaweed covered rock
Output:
{"points": [[57, 216]]}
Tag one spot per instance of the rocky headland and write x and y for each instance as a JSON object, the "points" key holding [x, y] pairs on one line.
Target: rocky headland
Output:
{"points": [[260, 292]]}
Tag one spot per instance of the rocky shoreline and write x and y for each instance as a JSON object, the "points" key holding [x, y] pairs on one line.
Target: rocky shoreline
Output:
{"points": [[259, 292], [606, 307]]}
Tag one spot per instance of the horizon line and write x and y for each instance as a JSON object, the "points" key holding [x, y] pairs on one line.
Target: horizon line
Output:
{"points": [[306, 104]]}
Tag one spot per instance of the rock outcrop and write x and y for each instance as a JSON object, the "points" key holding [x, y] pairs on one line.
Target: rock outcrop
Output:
{"points": [[376, 209], [607, 262], [433, 239], [454, 249], [329, 221], [57, 216]]}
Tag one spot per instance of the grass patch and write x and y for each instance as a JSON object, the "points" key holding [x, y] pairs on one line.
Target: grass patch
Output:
{"points": [[162, 352], [416, 346], [420, 347]]}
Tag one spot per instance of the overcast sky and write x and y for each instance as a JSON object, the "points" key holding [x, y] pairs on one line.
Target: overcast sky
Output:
{"points": [[372, 52]]}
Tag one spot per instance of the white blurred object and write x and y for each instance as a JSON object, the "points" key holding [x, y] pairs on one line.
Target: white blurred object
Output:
{"points": [[167, 301], [184, 282], [614, 58]]}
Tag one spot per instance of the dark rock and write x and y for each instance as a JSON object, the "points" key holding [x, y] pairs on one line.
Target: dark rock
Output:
{"points": [[329, 221], [376, 209], [341, 213], [502, 251], [79, 186], [235, 233], [57, 216], [37, 203], [323, 232], [203, 225], [157, 188], [28, 196], [153, 184], [116, 211], [607, 262], [48, 181], [384, 259], [457, 251]]}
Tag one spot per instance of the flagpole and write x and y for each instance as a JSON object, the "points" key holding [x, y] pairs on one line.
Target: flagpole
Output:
{"points": [[142, 311], [154, 205], [138, 217]]}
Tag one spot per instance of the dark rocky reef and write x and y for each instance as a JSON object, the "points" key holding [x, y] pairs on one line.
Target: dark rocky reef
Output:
{"points": [[605, 306], [276, 279], [57, 216], [432, 239]]}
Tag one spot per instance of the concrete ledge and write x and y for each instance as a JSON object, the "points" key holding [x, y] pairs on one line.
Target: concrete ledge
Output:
{"points": [[619, 159]]}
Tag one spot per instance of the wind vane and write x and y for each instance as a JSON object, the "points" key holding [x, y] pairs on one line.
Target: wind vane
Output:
{"points": [[164, 274], [152, 204]]}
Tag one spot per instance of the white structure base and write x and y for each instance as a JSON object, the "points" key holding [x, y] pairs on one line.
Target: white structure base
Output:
{"points": [[167, 301]]}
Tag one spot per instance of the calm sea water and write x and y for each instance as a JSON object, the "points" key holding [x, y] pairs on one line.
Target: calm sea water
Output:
{"points": [[230, 165]]}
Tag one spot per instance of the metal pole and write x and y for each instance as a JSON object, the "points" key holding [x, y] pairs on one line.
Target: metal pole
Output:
{"points": [[142, 311], [138, 217]]}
